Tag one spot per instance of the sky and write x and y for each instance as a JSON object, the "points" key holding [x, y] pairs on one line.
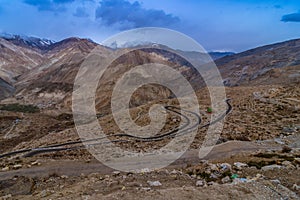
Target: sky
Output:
{"points": [[218, 25]]}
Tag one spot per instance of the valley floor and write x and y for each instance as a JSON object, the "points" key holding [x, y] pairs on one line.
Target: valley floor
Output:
{"points": [[257, 156]]}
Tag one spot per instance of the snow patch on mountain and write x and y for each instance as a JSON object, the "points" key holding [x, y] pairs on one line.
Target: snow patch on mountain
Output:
{"points": [[22, 40]]}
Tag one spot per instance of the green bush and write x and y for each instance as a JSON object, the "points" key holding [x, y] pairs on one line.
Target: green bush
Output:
{"points": [[209, 110], [20, 108]]}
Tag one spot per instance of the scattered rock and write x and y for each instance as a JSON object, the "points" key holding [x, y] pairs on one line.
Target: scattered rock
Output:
{"points": [[270, 167], [116, 173], [194, 176], [240, 180], [35, 163], [226, 179], [64, 177], [258, 176], [113, 183], [288, 130], [279, 141], [212, 183], [295, 151], [134, 184], [213, 176], [18, 166], [296, 187], [276, 181], [225, 167], [154, 183], [9, 196], [213, 167], [145, 170], [288, 165], [200, 183], [86, 197], [239, 165], [286, 149], [146, 188], [4, 169]]}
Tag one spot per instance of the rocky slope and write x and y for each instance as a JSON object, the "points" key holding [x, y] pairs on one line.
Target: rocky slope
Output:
{"points": [[5, 89], [16, 60], [276, 63], [51, 69]]}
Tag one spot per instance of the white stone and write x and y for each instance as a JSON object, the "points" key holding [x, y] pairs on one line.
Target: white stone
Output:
{"points": [[5, 169], [18, 166], [240, 165], [154, 183], [200, 183], [270, 167]]}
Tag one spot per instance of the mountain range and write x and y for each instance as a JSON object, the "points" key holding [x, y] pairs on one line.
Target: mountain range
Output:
{"points": [[42, 71]]}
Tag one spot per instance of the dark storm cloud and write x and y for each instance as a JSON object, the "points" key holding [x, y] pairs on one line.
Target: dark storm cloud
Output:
{"points": [[81, 12], [294, 17], [132, 15], [48, 5]]}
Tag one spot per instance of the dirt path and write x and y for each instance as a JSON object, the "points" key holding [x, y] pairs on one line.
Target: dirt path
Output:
{"points": [[75, 168]]}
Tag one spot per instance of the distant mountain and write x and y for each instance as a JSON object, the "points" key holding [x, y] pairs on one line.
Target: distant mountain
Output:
{"points": [[61, 59], [25, 41], [272, 64], [44, 75], [191, 54], [19, 54], [16, 60], [217, 54], [51, 83]]}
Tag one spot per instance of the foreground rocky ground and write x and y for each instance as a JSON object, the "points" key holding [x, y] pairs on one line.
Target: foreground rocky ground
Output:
{"points": [[264, 174], [257, 156]]}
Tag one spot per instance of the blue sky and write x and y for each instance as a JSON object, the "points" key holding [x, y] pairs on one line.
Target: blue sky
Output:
{"points": [[224, 25]]}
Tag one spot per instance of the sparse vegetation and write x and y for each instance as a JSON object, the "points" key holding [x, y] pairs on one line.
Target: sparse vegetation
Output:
{"points": [[20, 108]]}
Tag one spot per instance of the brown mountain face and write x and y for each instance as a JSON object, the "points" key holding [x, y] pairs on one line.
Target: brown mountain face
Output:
{"points": [[272, 64], [61, 58], [149, 92], [16, 60], [5, 89], [45, 77], [52, 81]]}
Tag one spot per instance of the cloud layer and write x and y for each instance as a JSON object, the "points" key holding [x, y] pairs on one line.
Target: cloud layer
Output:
{"points": [[132, 15], [294, 17], [48, 5]]}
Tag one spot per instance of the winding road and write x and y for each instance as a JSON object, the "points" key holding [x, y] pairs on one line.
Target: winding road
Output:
{"points": [[186, 128]]}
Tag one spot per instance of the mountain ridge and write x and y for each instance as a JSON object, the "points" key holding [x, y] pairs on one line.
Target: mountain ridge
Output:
{"points": [[257, 63], [54, 69]]}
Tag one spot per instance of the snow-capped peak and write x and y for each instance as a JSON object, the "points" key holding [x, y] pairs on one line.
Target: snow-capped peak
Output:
{"points": [[26, 40]]}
